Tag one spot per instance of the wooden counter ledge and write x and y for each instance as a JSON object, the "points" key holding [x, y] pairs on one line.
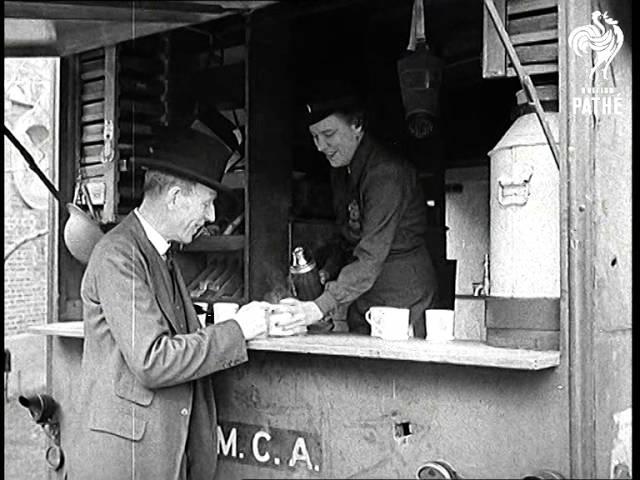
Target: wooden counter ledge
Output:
{"points": [[459, 352]]}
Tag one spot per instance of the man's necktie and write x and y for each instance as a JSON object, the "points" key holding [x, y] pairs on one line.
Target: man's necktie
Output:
{"points": [[171, 267], [176, 298]]}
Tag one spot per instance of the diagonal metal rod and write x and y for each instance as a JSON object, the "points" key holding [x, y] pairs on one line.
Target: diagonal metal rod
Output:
{"points": [[32, 163], [525, 79]]}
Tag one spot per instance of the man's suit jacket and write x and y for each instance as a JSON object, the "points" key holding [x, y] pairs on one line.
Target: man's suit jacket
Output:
{"points": [[139, 366]]}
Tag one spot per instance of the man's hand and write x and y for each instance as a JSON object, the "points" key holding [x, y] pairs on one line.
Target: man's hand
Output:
{"points": [[302, 313], [252, 319]]}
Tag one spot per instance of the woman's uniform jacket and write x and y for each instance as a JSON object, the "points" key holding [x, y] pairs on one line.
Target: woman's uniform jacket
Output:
{"points": [[382, 214], [140, 366]]}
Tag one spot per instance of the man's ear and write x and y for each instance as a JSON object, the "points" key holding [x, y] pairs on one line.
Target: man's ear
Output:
{"points": [[173, 195]]}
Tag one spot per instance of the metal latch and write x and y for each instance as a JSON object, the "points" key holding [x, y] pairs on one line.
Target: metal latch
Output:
{"points": [[107, 151]]}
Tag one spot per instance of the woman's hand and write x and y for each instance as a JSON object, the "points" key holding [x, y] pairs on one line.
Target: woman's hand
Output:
{"points": [[302, 313], [324, 276]]}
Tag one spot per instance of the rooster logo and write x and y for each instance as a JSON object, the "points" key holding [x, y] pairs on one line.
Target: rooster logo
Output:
{"points": [[604, 37]]}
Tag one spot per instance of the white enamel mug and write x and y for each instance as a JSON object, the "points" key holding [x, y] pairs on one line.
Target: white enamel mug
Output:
{"points": [[389, 323], [224, 311], [439, 324]]}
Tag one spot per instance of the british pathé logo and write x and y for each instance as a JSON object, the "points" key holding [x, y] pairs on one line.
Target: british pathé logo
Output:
{"points": [[604, 38]]}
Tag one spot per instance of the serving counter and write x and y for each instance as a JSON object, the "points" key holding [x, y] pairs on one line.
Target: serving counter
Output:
{"points": [[461, 352], [348, 406]]}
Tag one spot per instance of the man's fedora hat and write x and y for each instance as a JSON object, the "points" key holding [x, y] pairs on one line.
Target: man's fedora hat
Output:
{"points": [[190, 154]]}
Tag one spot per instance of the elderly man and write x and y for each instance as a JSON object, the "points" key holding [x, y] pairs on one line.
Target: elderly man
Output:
{"points": [[381, 210], [148, 410]]}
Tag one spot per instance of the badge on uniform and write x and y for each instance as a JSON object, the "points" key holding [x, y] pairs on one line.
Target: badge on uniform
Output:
{"points": [[354, 217]]}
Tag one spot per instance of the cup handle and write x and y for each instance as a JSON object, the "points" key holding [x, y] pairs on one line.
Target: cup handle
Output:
{"points": [[367, 317]]}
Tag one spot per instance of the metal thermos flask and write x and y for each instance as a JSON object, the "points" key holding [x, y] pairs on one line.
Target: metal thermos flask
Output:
{"points": [[305, 277]]}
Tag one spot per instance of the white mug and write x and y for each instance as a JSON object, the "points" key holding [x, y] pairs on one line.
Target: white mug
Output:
{"points": [[439, 324], [224, 311], [389, 323], [202, 318]]}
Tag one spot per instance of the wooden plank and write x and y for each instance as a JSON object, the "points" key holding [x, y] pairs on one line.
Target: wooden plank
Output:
{"points": [[219, 278], [110, 152], [524, 339], [269, 153], [534, 69], [218, 282], [92, 97], [55, 238], [89, 151], [92, 112], [92, 64], [73, 329], [92, 171], [239, 293], [91, 54], [69, 270], [494, 55], [92, 87], [541, 53], [578, 177], [515, 7], [535, 23], [159, 12], [202, 276], [232, 287], [216, 243], [93, 72], [455, 352], [92, 133], [227, 287], [610, 261], [211, 8], [91, 161], [29, 38], [74, 38], [534, 37]]}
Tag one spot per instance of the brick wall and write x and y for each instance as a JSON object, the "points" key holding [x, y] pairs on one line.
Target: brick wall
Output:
{"points": [[25, 271], [29, 92]]}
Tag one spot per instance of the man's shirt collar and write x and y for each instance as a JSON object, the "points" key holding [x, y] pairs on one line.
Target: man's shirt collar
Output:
{"points": [[156, 239]]}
